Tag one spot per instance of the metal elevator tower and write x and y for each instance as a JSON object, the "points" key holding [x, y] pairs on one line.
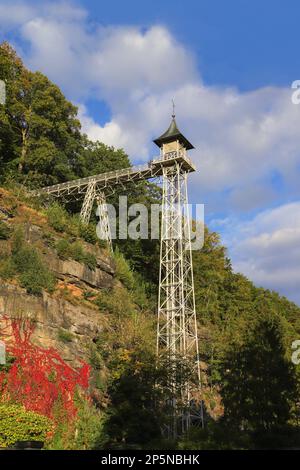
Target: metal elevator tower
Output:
{"points": [[177, 338]]}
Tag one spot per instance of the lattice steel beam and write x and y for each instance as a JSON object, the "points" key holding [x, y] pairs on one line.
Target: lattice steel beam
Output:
{"points": [[88, 203], [104, 232]]}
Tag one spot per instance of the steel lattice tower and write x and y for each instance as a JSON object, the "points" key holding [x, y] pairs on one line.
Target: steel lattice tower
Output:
{"points": [[177, 337]]}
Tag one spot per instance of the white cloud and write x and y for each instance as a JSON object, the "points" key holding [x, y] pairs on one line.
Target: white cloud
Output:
{"points": [[132, 64], [267, 249], [14, 14], [110, 133]]}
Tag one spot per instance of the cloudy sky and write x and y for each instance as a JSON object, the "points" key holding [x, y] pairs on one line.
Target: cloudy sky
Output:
{"points": [[229, 67]]}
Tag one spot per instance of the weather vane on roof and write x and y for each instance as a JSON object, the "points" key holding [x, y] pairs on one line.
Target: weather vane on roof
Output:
{"points": [[173, 104]]}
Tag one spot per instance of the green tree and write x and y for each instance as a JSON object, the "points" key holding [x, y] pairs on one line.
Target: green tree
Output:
{"points": [[133, 417], [97, 157], [258, 381], [40, 133]]}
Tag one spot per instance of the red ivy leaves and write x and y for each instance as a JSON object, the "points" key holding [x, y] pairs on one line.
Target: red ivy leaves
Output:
{"points": [[39, 378]]}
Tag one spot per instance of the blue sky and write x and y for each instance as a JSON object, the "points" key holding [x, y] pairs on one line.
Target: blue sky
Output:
{"points": [[229, 66], [245, 43]]}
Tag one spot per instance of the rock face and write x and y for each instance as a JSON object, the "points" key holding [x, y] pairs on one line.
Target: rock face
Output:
{"points": [[78, 274], [64, 320], [59, 323]]}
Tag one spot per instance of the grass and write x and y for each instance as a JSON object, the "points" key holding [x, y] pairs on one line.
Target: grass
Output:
{"points": [[65, 336], [61, 221], [67, 250]]}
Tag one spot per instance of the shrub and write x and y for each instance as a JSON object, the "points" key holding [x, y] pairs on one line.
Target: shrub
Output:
{"points": [[49, 239], [63, 248], [25, 258], [7, 268], [82, 433], [65, 336], [61, 221], [87, 295], [4, 231], [57, 217], [34, 281], [117, 301], [75, 251], [26, 262], [17, 424], [88, 233], [90, 260], [34, 275], [102, 243], [18, 240], [123, 272]]}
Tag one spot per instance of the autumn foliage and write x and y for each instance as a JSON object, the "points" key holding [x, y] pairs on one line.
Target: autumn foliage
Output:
{"points": [[39, 378]]}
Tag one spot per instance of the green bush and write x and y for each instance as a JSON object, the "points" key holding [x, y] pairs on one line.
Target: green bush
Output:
{"points": [[26, 258], [88, 233], [61, 221], [75, 251], [87, 295], [17, 424], [34, 275], [63, 248], [96, 360], [83, 433], [7, 268], [35, 281], [4, 231], [57, 217], [117, 301], [49, 239], [26, 262], [102, 243], [18, 240], [90, 260], [123, 272], [65, 336]]}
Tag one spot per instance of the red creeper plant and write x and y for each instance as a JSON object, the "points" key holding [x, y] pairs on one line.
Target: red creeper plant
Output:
{"points": [[39, 378]]}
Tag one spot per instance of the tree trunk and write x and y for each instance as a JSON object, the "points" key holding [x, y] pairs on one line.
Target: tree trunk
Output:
{"points": [[23, 150]]}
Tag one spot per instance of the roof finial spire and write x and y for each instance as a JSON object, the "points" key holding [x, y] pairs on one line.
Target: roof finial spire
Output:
{"points": [[173, 104]]}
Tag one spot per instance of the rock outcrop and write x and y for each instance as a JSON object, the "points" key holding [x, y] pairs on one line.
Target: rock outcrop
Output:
{"points": [[64, 320]]}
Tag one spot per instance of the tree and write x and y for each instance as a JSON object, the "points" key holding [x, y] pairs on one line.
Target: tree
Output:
{"points": [[259, 383], [40, 134], [97, 157], [133, 417]]}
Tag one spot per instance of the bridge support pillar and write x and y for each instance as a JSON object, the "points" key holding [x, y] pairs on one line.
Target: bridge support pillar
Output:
{"points": [[103, 228], [87, 206]]}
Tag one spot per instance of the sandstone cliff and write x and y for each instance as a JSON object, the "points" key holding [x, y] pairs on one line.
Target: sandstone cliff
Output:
{"points": [[65, 319]]}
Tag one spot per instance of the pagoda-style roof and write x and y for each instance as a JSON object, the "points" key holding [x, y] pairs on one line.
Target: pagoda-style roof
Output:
{"points": [[173, 133]]}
